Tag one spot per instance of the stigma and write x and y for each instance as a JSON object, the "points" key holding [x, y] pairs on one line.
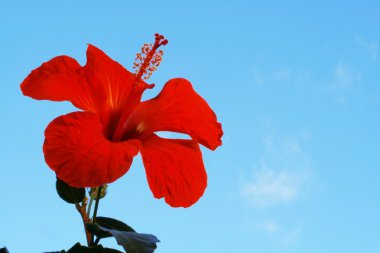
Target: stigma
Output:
{"points": [[140, 127], [148, 60]]}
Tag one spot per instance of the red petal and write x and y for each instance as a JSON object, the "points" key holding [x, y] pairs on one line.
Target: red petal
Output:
{"points": [[76, 149], [114, 86], [59, 80], [108, 78], [102, 86], [178, 108], [174, 170]]}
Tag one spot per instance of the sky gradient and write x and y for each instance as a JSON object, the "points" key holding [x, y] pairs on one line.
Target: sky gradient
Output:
{"points": [[295, 84]]}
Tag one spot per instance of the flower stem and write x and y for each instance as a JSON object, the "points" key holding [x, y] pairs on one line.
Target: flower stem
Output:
{"points": [[82, 210], [97, 241], [97, 203], [90, 204], [95, 211]]}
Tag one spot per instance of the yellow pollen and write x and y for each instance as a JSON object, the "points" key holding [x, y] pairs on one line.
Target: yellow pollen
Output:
{"points": [[140, 127], [149, 59]]}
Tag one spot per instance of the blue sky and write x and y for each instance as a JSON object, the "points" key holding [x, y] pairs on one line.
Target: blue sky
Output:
{"points": [[295, 85]]}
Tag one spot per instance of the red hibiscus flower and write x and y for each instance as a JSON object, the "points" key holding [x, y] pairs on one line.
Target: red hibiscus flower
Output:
{"points": [[96, 146]]}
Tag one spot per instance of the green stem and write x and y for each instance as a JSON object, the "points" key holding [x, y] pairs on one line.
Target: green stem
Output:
{"points": [[90, 204], [95, 211], [97, 241]]}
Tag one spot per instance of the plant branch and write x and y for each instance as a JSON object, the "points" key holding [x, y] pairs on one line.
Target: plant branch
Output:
{"points": [[97, 241], [96, 211], [82, 210]]}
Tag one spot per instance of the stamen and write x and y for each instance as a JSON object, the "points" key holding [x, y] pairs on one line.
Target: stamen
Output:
{"points": [[149, 59], [145, 64], [140, 127]]}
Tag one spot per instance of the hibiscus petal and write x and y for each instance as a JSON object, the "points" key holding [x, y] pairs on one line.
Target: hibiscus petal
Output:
{"points": [[102, 85], [76, 149], [115, 87], [110, 78], [174, 170], [59, 80], [178, 108]]}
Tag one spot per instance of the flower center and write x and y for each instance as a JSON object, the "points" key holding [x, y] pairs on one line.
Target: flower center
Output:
{"points": [[145, 64], [149, 59], [140, 127]]}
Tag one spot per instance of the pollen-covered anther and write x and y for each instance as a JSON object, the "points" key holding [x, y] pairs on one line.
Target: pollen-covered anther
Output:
{"points": [[149, 59], [140, 127]]}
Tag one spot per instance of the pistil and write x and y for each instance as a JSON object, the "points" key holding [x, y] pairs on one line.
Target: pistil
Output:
{"points": [[149, 59], [145, 64]]}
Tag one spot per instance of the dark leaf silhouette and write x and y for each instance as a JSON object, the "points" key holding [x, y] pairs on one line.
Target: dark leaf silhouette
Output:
{"points": [[69, 194], [108, 223], [134, 242]]}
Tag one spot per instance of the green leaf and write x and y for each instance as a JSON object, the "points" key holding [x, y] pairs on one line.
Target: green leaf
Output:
{"points": [[134, 242], [77, 248], [4, 250], [108, 223], [94, 229], [111, 223], [125, 236], [69, 194]]}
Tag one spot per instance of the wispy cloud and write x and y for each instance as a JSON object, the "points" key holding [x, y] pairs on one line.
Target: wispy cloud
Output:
{"points": [[270, 226], [291, 236], [258, 78], [282, 74], [343, 83], [270, 187], [370, 46], [340, 82], [281, 176], [284, 236], [275, 76], [344, 78]]}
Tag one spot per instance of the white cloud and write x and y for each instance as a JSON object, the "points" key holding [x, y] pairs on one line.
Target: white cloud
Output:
{"points": [[291, 236], [344, 77], [258, 78], [291, 146], [282, 74], [268, 141], [271, 187], [340, 82], [343, 83], [270, 226], [371, 47], [281, 177], [283, 235], [261, 77]]}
